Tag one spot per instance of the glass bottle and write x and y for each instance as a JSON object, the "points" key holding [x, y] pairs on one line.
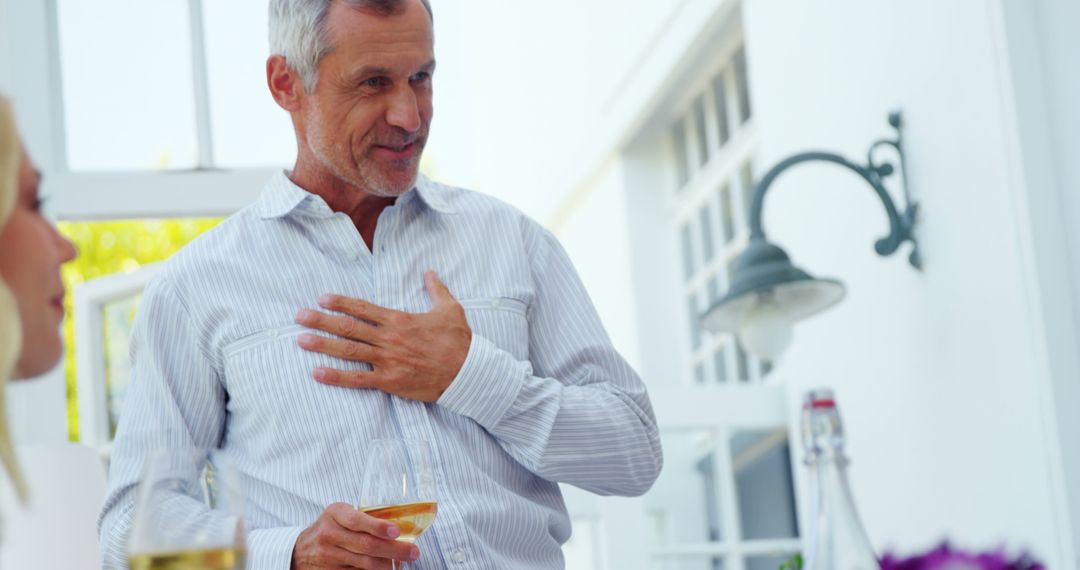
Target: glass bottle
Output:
{"points": [[837, 540]]}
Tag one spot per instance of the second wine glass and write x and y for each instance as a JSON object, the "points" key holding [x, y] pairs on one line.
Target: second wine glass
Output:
{"points": [[188, 514], [399, 486]]}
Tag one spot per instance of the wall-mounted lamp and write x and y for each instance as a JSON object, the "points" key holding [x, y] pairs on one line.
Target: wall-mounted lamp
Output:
{"points": [[768, 294]]}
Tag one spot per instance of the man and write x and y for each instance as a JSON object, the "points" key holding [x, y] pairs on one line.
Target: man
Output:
{"points": [[496, 356]]}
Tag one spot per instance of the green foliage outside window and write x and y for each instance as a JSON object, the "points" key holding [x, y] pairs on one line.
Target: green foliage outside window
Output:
{"points": [[106, 248]]}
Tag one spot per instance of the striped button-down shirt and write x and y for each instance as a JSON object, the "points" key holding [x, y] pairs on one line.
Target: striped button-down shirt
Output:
{"points": [[542, 397]]}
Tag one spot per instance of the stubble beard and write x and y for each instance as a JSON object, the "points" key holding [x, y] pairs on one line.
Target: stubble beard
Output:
{"points": [[368, 173], [375, 181]]}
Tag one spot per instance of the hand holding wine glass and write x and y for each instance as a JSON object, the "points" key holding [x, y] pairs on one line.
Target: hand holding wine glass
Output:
{"points": [[399, 486], [188, 514]]}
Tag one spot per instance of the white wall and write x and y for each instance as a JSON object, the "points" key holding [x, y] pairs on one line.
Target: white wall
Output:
{"points": [[956, 383], [1041, 39], [37, 408], [937, 378], [625, 195], [6, 47], [558, 64], [595, 239]]}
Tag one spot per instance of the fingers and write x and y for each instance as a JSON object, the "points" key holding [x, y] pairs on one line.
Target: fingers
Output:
{"points": [[359, 546], [358, 308], [342, 558], [347, 378], [437, 290], [344, 536], [364, 534], [344, 349], [338, 325], [350, 518]]}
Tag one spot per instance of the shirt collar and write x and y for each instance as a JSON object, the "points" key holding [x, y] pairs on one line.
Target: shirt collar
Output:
{"points": [[281, 196], [433, 194]]}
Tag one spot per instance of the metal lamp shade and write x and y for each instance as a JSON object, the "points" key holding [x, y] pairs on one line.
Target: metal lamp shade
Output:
{"points": [[764, 269]]}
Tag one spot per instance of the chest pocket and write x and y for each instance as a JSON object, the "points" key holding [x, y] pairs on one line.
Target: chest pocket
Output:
{"points": [[501, 320], [268, 377]]}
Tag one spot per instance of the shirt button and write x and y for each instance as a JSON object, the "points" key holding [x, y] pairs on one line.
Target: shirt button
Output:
{"points": [[496, 303], [459, 556], [272, 333]]}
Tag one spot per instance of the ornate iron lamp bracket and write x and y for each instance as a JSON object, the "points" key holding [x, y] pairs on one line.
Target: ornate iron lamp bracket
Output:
{"points": [[901, 223]]}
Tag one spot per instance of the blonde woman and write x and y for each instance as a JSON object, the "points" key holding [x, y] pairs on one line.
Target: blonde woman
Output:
{"points": [[31, 292]]}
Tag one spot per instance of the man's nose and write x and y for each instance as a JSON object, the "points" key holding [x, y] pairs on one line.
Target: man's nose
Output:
{"points": [[403, 111]]}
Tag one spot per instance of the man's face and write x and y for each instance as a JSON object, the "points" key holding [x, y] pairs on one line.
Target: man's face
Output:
{"points": [[366, 122]]}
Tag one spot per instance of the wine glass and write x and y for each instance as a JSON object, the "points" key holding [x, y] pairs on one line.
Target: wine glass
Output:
{"points": [[188, 514], [399, 486]]}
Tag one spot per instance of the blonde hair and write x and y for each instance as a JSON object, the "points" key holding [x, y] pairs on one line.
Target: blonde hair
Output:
{"points": [[10, 327]]}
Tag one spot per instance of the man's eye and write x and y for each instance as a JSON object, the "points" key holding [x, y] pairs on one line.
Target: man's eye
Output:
{"points": [[374, 82], [421, 77]]}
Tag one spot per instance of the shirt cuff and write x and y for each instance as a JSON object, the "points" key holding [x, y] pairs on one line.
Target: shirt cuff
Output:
{"points": [[272, 548], [487, 384]]}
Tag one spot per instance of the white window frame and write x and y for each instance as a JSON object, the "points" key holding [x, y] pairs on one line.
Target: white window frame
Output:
{"points": [[658, 208], [737, 408], [734, 406], [30, 31], [724, 168], [622, 522], [203, 191], [90, 299]]}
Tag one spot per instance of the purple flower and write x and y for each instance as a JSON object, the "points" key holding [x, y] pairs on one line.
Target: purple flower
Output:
{"points": [[945, 558]]}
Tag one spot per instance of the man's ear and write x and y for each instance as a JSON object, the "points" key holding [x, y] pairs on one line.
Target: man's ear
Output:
{"points": [[285, 85]]}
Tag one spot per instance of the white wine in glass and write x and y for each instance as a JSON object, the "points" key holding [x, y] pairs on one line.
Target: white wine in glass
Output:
{"points": [[399, 486], [411, 518], [188, 514], [227, 558]]}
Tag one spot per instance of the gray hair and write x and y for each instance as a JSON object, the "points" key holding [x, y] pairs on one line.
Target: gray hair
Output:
{"points": [[298, 31]]}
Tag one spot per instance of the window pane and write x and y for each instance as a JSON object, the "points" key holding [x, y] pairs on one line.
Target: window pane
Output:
{"points": [[727, 214], [106, 248], [720, 364], [763, 484], [742, 83], [708, 248], [714, 289], [695, 321], [687, 250], [700, 133], [766, 562], [746, 180], [730, 269], [678, 138], [117, 319], [249, 129], [720, 100], [684, 504], [743, 363], [128, 91]]}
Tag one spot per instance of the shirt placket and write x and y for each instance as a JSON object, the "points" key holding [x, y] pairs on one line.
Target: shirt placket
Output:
{"points": [[414, 421]]}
